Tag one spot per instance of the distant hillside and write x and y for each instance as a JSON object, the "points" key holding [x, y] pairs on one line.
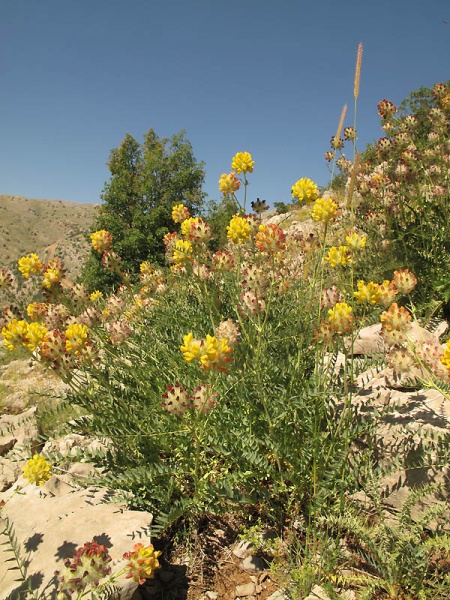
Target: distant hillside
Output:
{"points": [[51, 228]]}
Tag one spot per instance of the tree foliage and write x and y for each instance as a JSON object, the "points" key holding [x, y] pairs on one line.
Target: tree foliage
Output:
{"points": [[146, 181]]}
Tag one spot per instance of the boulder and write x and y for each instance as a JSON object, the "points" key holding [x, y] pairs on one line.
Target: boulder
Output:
{"points": [[50, 522]]}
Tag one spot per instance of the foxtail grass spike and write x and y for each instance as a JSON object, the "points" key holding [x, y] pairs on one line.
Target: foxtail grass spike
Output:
{"points": [[358, 70]]}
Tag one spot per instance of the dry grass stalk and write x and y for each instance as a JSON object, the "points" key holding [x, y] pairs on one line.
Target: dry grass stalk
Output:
{"points": [[352, 181], [341, 122], [358, 70]]}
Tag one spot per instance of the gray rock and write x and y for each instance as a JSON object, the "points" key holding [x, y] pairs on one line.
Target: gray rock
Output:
{"points": [[25, 430], [317, 593], [246, 589], [51, 521], [6, 443], [9, 472], [253, 564], [243, 549], [278, 595]]}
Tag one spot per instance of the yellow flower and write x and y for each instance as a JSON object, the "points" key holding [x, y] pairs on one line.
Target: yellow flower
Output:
{"points": [[37, 310], [388, 293], [404, 281], [214, 354], [324, 210], [340, 317], [338, 256], [191, 347], [96, 295], [35, 335], [76, 338], [146, 268], [14, 333], [182, 253], [54, 272], [180, 213], [238, 230], [397, 318], [445, 101], [186, 225], [143, 562], [37, 470], [369, 293], [396, 323], [30, 264], [270, 238], [101, 240], [229, 184], [242, 162], [355, 241], [445, 360], [305, 189]]}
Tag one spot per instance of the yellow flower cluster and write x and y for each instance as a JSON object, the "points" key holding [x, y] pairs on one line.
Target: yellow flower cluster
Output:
{"points": [[143, 562], [101, 240], [36, 310], [53, 274], [95, 295], [229, 184], [28, 265], [191, 347], [325, 210], [338, 256], [242, 162], [37, 470], [215, 353], [388, 292], [76, 338], [29, 335], [186, 225], [404, 281], [180, 213], [238, 231], [369, 293], [305, 189], [270, 238], [355, 241], [182, 252], [212, 353], [340, 317], [445, 360], [395, 324], [445, 101]]}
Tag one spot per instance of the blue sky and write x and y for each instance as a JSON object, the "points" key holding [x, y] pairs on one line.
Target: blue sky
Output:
{"points": [[266, 77]]}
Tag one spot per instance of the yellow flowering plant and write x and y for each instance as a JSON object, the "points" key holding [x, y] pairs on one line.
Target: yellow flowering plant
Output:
{"points": [[305, 190], [37, 470], [242, 162], [257, 413], [238, 231], [30, 265]]}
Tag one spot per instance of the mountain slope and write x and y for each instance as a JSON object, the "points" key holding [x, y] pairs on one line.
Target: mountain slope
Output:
{"points": [[51, 228]]}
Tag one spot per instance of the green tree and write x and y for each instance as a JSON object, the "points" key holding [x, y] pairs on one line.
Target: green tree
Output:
{"points": [[146, 181]]}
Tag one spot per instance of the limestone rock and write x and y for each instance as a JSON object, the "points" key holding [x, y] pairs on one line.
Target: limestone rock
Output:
{"points": [[51, 521], [24, 429], [9, 471]]}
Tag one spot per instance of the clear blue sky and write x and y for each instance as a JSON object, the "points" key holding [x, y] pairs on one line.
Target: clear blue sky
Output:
{"points": [[262, 76]]}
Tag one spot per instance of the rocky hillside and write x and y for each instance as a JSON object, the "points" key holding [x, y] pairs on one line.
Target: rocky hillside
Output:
{"points": [[51, 228]]}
